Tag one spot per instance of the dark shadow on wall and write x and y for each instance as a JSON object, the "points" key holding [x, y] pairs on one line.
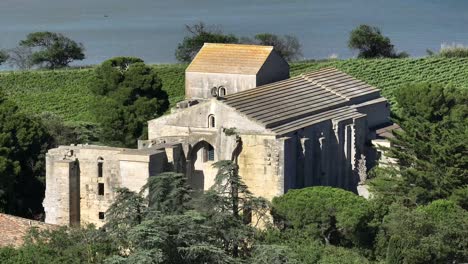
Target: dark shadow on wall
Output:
{"points": [[321, 157], [196, 178]]}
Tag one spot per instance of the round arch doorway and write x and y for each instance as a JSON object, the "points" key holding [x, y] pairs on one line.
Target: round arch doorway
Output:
{"points": [[200, 171]]}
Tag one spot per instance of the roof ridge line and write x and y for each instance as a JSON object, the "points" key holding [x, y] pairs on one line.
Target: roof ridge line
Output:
{"points": [[314, 82]]}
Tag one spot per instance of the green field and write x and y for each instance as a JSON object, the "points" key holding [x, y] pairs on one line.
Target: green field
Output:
{"points": [[66, 93]]}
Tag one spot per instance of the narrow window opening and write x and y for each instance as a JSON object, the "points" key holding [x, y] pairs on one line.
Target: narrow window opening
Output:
{"points": [[101, 215], [100, 166], [222, 91], [210, 153], [211, 121], [100, 188]]}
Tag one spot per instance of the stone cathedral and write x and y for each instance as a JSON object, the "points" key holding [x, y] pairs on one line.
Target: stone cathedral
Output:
{"points": [[241, 104]]}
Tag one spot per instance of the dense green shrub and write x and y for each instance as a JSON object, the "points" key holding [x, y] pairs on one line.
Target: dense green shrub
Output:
{"points": [[436, 233], [335, 216], [23, 144], [129, 94]]}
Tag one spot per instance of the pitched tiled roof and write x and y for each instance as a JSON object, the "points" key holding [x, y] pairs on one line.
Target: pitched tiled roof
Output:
{"points": [[340, 83], [13, 229], [230, 58], [298, 101]]}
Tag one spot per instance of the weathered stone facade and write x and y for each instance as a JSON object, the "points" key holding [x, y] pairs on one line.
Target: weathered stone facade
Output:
{"points": [[288, 133], [82, 180]]}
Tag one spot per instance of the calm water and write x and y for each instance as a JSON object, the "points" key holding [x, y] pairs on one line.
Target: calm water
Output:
{"points": [[151, 29]]}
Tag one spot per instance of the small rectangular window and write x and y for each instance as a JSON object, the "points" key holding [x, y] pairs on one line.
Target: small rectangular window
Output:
{"points": [[101, 215], [101, 188]]}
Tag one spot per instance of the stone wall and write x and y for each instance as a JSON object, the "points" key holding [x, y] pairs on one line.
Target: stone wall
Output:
{"points": [[184, 122], [198, 84], [325, 153], [74, 180], [274, 69], [260, 165], [57, 199]]}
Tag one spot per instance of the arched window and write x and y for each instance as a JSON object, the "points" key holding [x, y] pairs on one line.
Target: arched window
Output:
{"points": [[211, 121], [221, 91], [100, 165], [210, 153]]}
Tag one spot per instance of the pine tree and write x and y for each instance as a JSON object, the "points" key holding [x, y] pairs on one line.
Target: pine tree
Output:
{"points": [[432, 149], [229, 206]]}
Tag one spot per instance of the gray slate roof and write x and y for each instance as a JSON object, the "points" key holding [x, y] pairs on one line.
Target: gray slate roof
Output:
{"points": [[303, 100]]}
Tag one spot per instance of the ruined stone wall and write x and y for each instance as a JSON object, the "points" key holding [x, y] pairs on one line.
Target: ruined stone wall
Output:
{"points": [[74, 180], [260, 165], [57, 199]]}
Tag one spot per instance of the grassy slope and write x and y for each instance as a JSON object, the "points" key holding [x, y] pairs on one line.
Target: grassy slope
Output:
{"points": [[66, 92]]}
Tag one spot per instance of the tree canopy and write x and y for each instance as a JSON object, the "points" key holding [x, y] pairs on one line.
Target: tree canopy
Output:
{"points": [[287, 46], [200, 34], [372, 44], [23, 144], [431, 149], [129, 94], [335, 216], [52, 50], [436, 233]]}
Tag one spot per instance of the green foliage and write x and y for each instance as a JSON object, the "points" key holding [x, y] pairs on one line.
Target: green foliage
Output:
{"points": [[339, 255], [436, 233], [67, 93], [61, 245], [134, 93], [23, 143], [168, 193], [372, 44], [229, 207], [126, 212], [61, 134], [453, 51], [298, 246], [53, 50], [390, 74], [431, 150], [199, 35], [162, 229], [273, 254], [460, 196], [287, 46], [335, 216]]}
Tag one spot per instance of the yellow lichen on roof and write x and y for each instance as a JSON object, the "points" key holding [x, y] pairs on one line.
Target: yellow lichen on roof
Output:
{"points": [[230, 58]]}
